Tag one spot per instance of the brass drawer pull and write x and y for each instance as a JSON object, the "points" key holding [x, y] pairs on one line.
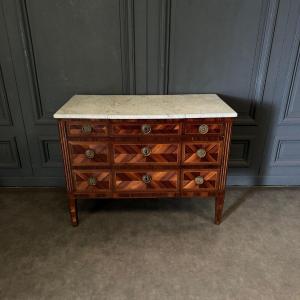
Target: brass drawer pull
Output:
{"points": [[146, 178], [201, 153], [89, 153], [146, 151], [92, 181], [146, 128], [203, 129], [86, 128], [199, 180]]}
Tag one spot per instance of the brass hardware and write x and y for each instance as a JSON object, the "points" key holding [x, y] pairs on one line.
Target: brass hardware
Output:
{"points": [[201, 153], [86, 128], [199, 180], [89, 153], [147, 178], [146, 128], [146, 151], [203, 129], [92, 181]]}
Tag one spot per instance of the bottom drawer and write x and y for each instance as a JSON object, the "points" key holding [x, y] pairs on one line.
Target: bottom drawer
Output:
{"points": [[91, 180], [140, 181], [200, 180]]}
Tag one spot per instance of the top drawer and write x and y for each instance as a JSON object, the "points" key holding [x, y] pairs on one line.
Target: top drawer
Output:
{"points": [[145, 129], [88, 128], [204, 128]]}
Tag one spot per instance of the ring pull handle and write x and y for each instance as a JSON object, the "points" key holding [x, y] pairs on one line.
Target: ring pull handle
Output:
{"points": [[92, 181], [201, 153], [199, 180], [146, 128], [146, 151], [203, 129], [147, 178], [86, 128], [90, 154]]}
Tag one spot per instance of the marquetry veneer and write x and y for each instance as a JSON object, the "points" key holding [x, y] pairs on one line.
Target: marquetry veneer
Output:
{"points": [[145, 158]]}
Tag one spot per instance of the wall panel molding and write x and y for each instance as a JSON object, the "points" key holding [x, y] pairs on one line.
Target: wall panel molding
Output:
{"points": [[266, 29], [40, 116], [241, 151], [264, 43], [5, 114], [9, 156], [126, 19], [127, 32], [286, 152], [292, 93], [50, 151]]}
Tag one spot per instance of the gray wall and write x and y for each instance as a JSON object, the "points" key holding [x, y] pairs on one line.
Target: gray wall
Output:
{"points": [[246, 51]]}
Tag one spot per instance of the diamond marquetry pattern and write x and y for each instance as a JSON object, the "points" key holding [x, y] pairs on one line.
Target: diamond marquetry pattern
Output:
{"points": [[210, 179], [132, 153], [133, 181], [212, 153], [79, 157], [91, 181], [136, 129]]}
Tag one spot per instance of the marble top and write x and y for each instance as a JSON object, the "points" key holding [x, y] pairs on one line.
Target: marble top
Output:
{"points": [[145, 107]]}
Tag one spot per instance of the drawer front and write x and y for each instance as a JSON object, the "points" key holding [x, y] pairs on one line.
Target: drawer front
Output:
{"points": [[88, 128], [202, 153], [88, 153], [204, 128], [91, 180], [200, 179], [146, 153], [139, 181], [145, 129]]}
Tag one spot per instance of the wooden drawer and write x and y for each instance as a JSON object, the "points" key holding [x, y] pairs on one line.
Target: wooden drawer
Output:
{"points": [[200, 180], [85, 153], [145, 129], [146, 153], [86, 128], [202, 153], [91, 180], [142, 181], [204, 128]]}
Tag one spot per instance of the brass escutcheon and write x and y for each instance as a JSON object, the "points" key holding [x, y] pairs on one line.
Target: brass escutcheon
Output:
{"points": [[199, 180], [201, 153], [146, 128], [146, 178], [89, 153], [203, 129], [146, 151], [86, 128], [92, 181]]}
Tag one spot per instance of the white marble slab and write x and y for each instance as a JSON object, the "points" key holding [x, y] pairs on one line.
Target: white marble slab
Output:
{"points": [[145, 107]]}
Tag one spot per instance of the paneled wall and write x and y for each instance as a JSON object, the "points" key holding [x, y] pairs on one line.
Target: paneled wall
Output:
{"points": [[246, 51]]}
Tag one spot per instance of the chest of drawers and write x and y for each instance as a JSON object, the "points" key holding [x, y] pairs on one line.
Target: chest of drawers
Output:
{"points": [[110, 156]]}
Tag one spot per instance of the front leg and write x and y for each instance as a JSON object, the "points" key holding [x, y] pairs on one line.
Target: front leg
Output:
{"points": [[219, 204], [73, 209]]}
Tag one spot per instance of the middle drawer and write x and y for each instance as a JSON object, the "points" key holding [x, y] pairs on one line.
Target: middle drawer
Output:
{"points": [[145, 153]]}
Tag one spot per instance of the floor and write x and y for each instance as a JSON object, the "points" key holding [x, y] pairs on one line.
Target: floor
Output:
{"points": [[150, 249]]}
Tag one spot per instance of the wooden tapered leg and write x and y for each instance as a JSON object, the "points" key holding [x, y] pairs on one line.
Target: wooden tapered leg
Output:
{"points": [[219, 204], [73, 210]]}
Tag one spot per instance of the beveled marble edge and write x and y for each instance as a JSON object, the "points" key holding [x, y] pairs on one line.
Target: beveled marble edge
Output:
{"points": [[120, 117], [154, 107]]}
